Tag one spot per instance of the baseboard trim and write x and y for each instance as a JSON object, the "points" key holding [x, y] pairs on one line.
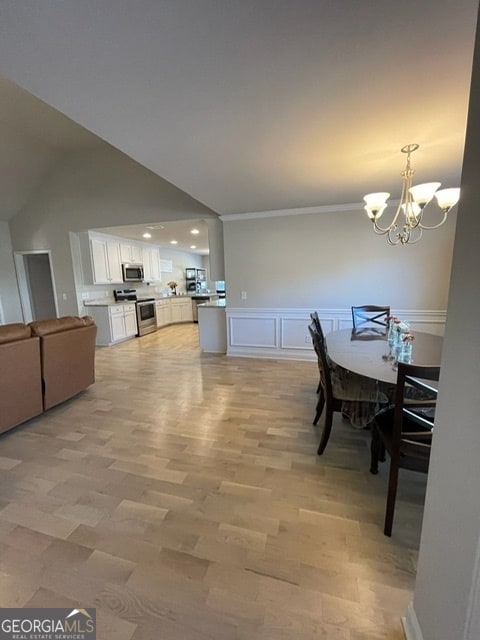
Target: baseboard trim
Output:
{"points": [[411, 627]]}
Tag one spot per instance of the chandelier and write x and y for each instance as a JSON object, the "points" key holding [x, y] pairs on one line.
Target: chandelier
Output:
{"points": [[407, 226]]}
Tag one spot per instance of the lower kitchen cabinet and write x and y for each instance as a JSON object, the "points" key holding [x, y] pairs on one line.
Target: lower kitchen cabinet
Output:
{"points": [[115, 322], [164, 312], [182, 310]]}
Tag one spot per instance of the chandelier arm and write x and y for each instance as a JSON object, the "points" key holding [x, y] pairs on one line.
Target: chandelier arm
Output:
{"points": [[435, 226], [382, 230], [410, 241], [393, 236]]}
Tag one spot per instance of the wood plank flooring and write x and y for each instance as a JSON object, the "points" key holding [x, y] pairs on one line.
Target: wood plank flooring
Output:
{"points": [[181, 495]]}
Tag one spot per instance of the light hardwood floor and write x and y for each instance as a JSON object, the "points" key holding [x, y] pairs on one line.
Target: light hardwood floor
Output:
{"points": [[181, 495]]}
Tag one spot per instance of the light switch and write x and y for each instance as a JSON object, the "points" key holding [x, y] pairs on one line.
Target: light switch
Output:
{"points": [[243, 295]]}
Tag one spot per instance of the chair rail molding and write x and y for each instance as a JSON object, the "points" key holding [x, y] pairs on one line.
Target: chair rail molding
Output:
{"points": [[283, 333]]}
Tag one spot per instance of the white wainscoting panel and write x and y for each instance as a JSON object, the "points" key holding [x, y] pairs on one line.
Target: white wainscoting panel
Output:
{"points": [[283, 333], [253, 332]]}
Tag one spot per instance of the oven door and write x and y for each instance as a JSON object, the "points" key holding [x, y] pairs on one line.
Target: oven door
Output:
{"points": [[146, 317]]}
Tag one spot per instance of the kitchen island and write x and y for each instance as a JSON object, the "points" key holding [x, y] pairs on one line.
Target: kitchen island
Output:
{"points": [[212, 326]]}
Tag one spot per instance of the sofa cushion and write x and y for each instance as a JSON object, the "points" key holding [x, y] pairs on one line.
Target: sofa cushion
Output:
{"points": [[56, 325], [14, 331]]}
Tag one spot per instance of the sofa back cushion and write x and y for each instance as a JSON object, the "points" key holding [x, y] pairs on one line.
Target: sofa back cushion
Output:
{"points": [[13, 332], [56, 325]]}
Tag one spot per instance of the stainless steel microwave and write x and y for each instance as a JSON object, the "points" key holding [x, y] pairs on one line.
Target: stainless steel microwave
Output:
{"points": [[132, 272]]}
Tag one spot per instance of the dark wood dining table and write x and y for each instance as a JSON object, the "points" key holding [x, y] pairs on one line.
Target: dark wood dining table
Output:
{"points": [[368, 353]]}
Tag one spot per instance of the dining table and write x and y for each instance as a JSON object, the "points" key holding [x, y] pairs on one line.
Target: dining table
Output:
{"points": [[368, 353]]}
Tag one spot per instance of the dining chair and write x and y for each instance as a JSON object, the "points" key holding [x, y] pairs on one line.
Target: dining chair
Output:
{"points": [[336, 388], [370, 316], [405, 430], [318, 327]]}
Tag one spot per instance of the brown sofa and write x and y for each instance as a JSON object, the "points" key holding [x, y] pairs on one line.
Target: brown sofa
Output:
{"points": [[42, 364], [20, 375], [67, 347]]}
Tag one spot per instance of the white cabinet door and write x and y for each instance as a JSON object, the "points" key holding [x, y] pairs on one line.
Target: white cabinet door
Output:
{"points": [[130, 253], [182, 310], [163, 311], [106, 264], [98, 251], [155, 265], [130, 321], [114, 262], [176, 311], [117, 324], [187, 311], [151, 264]]}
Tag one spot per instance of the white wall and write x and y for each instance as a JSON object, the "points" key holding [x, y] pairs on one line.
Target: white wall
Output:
{"points": [[332, 260], [92, 190], [446, 601], [10, 307]]}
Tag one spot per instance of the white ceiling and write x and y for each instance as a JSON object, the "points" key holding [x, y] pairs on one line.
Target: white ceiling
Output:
{"points": [[247, 106], [176, 235]]}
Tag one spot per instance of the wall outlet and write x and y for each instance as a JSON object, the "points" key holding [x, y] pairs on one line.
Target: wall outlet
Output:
{"points": [[308, 340], [64, 296], [243, 295]]}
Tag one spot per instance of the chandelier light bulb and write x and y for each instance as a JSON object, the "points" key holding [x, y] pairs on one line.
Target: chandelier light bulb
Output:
{"points": [[423, 193], [447, 198]]}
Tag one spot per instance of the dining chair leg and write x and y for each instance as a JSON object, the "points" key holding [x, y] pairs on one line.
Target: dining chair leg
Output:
{"points": [[374, 450], [391, 497], [326, 429], [320, 405]]}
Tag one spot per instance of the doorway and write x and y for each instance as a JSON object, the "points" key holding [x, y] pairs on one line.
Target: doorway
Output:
{"points": [[36, 285]]}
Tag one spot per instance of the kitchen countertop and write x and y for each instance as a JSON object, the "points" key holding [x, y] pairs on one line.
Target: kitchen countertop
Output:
{"points": [[106, 303], [219, 304]]}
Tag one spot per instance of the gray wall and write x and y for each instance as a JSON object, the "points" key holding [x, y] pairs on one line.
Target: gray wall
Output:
{"points": [[446, 599], [9, 296], [89, 190], [333, 260]]}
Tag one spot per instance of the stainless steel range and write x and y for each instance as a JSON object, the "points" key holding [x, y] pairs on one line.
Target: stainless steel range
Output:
{"points": [[145, 309], [146, 316]]}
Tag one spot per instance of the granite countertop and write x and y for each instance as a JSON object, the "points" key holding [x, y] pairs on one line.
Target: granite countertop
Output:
{"points": [[107, 302], [219, 304]]}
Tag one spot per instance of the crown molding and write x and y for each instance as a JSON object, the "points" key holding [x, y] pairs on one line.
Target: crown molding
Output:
{"points": [[298, 211]]}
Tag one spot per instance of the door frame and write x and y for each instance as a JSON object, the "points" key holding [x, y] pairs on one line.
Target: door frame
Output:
{"points": [[23, 284]]}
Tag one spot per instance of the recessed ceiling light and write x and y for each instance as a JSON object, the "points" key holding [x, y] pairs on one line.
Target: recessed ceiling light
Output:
{"points": [[173, 242], [157, 226], [147, 235], [195, 232], [193, 246]]}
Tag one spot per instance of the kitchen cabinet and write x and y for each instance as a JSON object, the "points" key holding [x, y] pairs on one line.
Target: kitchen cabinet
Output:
{"points": [[106, 261], [151, 264], [182, 310], [163, 309], [130, 253], [115, 322]]}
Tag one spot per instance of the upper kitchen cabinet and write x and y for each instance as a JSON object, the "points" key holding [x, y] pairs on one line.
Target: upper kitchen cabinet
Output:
{"points": [[151, 264], [130, 253], [106, 261], [99, 258]]}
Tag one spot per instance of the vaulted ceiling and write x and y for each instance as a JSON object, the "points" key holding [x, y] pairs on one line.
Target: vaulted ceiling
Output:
{"points": [[246, 105]]}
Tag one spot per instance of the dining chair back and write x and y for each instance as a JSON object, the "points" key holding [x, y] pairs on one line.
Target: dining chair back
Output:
{"points": [[318, 325], [370, 316], [405, 430], [318, 328], [326, 397]]}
